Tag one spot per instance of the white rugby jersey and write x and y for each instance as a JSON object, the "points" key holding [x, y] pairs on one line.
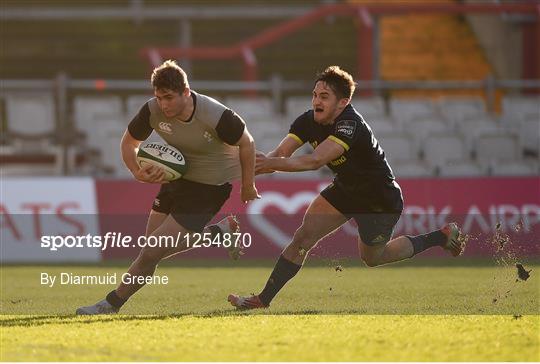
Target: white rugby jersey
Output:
{"points": [[206, 139]]}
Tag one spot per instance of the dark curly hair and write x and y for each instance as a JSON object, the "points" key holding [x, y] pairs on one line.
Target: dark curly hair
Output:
{"points": [[340, 81], [169, 76]]}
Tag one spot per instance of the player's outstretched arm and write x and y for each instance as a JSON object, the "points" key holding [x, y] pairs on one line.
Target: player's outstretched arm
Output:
{"points": [[327, 151], [247, 161], [286, 147], [149, 173]]}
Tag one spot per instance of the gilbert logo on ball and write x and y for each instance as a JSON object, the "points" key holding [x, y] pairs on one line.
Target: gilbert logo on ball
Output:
{"points": [[164, 156]]}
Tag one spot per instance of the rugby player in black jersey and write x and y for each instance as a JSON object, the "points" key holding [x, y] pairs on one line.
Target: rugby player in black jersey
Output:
{"points": [[364, 187]]}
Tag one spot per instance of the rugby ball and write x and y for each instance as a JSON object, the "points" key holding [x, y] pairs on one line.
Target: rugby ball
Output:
{"points": [[164, 156]]}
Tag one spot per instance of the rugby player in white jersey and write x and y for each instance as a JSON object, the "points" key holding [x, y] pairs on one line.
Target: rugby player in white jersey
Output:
{"points": [[219, 149]]}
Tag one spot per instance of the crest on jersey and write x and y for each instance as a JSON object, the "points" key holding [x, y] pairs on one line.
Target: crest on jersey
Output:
{"points": [[208, 136], [346, 128], [165, 127]]}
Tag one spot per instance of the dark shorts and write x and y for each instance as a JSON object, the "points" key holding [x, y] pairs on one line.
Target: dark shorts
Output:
{"points": [[191, 204], [376, 210]]}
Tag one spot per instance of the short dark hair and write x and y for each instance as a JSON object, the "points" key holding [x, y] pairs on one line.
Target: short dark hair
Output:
{"points": [[169, 76], [340, 81]]}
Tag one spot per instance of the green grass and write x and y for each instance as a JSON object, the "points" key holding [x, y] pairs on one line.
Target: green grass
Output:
{"points": [[413, 313], [274, 338]]}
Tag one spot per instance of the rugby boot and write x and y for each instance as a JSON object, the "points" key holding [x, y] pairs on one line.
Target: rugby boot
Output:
{"points": [[246, 303], [231, 225], [453, 242], [101, 308]]}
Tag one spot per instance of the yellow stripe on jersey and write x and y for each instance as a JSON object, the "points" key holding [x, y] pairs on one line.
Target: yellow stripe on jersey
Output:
{"points": [[339, 141], [296, 137]]}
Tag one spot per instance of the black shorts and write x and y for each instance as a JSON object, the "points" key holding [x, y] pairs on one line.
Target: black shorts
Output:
{"points": [[191, 204], [376, 209]]}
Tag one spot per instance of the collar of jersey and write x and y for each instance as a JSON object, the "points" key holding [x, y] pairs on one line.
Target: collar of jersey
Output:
{"points": [[188, 121]]}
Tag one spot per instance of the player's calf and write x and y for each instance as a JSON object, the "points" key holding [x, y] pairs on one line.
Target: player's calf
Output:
{"points": [[371, 261], [298, 249], [149, 258], [448, 237], [144, 265]]}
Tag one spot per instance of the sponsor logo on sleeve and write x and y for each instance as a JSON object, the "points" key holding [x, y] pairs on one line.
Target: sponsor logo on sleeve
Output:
{"points": [[346, 128]]}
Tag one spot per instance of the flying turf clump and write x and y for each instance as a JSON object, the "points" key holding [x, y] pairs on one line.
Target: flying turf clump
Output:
{"points": [[523, 274]]}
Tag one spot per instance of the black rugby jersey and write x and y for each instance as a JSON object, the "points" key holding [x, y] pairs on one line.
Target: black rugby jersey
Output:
{"points": [[363, 160]]}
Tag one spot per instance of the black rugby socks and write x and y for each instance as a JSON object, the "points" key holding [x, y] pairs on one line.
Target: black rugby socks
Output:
{"points": [[283, 271], [114, 300], [426, 241]]}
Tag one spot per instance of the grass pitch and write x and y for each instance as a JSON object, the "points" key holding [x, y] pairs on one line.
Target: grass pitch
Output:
{"points": [[402, 312]]}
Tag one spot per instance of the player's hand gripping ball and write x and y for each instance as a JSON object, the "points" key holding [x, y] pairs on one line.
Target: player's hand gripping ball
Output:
{"points": [[164, 156]]}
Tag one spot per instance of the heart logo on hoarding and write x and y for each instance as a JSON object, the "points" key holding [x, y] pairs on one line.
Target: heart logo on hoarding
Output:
{"points": [[289, 205]]}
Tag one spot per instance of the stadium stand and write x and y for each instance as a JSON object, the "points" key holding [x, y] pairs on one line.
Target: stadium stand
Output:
{"points": [[439, 145], [424, 131], [295, 105], [521, 107], [254, 109], [430, 47], [412, 168], [372, 107], [31, 115], [529, 132], [442, 147], [514, 168], [382, 124], [91, 112], [421, 128], [471, 129], [398, 146], [110, 133], [522, 115], [404, 110], [134, 104], [462, 168], [30, 135], [497, 147], [101, 118], [456, 109], [267, 134]]}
